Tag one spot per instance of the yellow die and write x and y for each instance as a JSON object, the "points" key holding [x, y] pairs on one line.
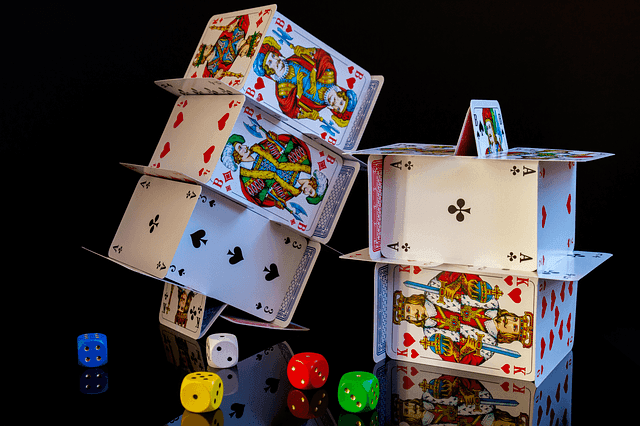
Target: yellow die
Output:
{"points": [[201, 392]]}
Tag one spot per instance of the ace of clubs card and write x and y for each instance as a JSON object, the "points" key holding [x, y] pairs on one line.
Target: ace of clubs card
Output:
{"points": [[478, 212], [152, 226]]}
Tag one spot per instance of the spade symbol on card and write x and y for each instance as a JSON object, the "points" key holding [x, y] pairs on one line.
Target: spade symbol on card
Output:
{"points": [[236, 255], [237, 409], [197, 238], [272, 272]]}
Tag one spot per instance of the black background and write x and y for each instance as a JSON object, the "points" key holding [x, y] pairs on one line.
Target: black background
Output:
{"points": [[79, 97]]}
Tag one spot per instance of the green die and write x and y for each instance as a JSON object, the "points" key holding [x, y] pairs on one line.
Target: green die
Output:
{"points": [[358, 391]]}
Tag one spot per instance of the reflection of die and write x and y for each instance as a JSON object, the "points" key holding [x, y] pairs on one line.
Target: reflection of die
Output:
{"points": [[229, 378], [307, 404], [222, 350], [93, 381], [358, 391], [92, 349], [201, 392]]}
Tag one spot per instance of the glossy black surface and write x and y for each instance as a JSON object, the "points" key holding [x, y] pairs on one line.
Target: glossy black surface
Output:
{"points": [[79, 98]]}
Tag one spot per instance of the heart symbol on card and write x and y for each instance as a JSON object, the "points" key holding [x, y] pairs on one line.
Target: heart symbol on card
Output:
{"points": [[259, 98], [509, 280], [569, 323], [259, 84], [544, 306], [351, 82], [414, 353], [569, 204], [323, 135], [506, 368], [165, 150], [407, 383], [552, 337], [544, 216], [543, 345], [236, 255], [179, 119], [561, 330], [555, 321], [289, 29], [505, 386], [416, 269], [207, 154], [272, 272], [350, 69], [414, 371], [223, 121], [515, 295], [408, 340]]}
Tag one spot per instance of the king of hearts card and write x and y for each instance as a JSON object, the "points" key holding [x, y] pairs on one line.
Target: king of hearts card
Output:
{"points": [[501, 323]]}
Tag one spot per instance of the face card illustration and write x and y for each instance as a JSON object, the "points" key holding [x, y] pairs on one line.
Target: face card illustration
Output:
{"points": [[464, 211], [488, 127], [236, 256], [195, 133], [422, 393], [183, 308], [302, 78], [229, 44], [153, 223], [467, 319], [271, 166]]}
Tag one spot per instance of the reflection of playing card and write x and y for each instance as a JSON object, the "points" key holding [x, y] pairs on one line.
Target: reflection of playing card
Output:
{"points": [[272, 166], [459, 210], [262, 395], [195, 134], [153, 223], [439, 317], [237, 256]]}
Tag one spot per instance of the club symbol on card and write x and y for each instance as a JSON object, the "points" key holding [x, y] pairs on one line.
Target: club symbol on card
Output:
{"points": [[272, 272], [153, 223], [405, 247], [514, 170], [258, 305], [459, 210], [236, 255]]}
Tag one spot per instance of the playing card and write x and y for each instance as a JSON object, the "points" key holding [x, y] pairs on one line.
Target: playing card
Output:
{"points": [[271, 166], [234, 255], [483, 124], [228, 46], [307, 81], [459, 210], [187, 311], [195, 134], [153, 224], [478, 322]]}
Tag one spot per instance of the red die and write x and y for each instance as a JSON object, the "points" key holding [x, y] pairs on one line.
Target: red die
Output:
{"points": [[308, 370]]}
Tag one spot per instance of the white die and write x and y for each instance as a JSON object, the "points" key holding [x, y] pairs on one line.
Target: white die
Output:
{"points": [[222, 350]]}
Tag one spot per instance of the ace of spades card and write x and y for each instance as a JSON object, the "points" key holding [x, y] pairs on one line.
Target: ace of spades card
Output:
{"points": [[479, 322], [459, 210], [482, 130]]}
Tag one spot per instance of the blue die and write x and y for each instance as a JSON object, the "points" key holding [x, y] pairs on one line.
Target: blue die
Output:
{"points": [[92, 349]]}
